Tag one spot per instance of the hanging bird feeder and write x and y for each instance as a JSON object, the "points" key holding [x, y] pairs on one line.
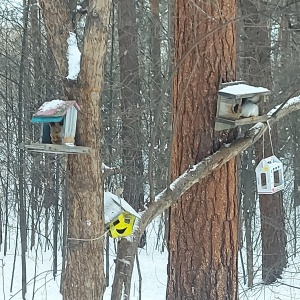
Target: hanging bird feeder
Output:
{"points": [[119, 216], [269, 175]]}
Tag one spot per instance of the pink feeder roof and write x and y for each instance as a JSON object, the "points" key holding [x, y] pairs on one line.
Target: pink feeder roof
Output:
{"points": [[55, 108]]}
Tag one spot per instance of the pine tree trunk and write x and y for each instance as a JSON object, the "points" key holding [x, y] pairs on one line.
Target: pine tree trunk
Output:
{"points": [[84, 277], [203, 238]]}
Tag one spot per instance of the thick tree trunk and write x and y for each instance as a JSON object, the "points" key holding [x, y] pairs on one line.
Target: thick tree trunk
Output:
{"points": [[84, 278], [203, 225]]}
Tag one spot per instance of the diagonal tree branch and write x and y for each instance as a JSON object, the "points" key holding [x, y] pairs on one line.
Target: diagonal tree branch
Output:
{"points": [[199, 171]]}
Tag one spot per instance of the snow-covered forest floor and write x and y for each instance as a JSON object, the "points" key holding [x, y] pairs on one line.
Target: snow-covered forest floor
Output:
{"points": [[42, 286], [153, 265]]}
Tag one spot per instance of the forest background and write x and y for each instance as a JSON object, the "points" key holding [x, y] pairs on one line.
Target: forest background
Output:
{"points": [[137, 102]]}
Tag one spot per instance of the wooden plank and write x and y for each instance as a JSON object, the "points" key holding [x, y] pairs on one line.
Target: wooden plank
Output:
{"points": [[223, 123], [58, 149], [245, 95], [226, 121], [251, 120]]}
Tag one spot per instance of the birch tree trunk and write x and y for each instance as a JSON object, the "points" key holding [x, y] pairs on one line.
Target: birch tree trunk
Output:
{"points": [[203, 224]]}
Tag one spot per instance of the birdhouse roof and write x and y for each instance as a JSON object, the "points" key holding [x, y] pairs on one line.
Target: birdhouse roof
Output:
{"points": [[114, 206], [272, 160], [241, 90], [55, 108]]}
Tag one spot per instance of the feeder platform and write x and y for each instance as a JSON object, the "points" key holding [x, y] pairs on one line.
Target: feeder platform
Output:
{"points": [[58, 149]]}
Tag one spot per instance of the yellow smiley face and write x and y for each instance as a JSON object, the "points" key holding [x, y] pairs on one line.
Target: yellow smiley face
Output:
{"points": [[122, 226]]}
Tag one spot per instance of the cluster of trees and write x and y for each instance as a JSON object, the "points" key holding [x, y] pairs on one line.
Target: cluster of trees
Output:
{"points": [[150, 72]]}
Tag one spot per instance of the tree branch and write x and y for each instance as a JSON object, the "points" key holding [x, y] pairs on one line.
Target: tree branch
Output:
{"points": [[199, 171], [110, 171]]}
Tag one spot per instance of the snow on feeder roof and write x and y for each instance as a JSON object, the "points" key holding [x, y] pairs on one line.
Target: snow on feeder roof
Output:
{"points": [[238, 104], [241, 90], [59, 120], [114, 205], [53, 111], [119, 216]]}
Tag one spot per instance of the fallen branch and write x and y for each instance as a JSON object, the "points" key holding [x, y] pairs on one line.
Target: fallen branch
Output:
{"points": [[199, 171]]}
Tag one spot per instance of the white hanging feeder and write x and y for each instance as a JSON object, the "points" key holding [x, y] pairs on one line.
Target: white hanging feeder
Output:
{"points": [[269, 175]]}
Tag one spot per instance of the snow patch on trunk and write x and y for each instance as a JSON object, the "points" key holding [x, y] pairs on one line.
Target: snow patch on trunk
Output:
{"points": [[73, 56]]}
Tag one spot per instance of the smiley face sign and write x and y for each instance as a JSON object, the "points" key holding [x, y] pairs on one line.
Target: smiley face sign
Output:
{"points": [[122, 226]]}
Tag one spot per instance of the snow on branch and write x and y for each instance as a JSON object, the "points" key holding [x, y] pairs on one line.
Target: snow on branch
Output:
{"points": [[199, 171]]}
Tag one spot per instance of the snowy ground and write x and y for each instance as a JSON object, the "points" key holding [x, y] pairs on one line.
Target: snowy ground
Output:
{"points": [[44, 287], [154, 277]]}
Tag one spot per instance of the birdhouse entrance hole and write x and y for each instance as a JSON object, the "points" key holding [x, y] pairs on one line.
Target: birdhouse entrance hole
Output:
{"points": [[238, 104], [263, 180], [277, 179]]}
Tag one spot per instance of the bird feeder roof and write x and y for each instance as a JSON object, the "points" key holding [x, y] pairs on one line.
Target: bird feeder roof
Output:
{"points": [[241, 90], [269, 161], [53, 111], [114, 206]]}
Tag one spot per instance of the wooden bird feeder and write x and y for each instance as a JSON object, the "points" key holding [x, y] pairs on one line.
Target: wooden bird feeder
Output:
{"points": [[231, 97], [269, 175], [119, 216], [58, 119]]}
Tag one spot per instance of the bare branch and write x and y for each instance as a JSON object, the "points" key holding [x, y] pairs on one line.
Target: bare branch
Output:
{"points": [[199, 171]]}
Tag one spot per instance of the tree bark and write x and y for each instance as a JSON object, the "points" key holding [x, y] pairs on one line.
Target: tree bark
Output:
{"points": [[130, 105], [84, 278], [248, 208], [203, 225], [21, 154], [131, 136]]}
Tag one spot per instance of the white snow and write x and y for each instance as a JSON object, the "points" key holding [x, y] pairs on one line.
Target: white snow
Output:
{"points": [[114, 205], [50, 105], [73, 56], [153, 266], [243, 89], [124, 261], [291, 101]]}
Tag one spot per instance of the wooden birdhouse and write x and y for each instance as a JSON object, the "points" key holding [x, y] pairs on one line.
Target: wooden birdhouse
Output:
{"points": [[119, 216], [269, 175], [58, 120], [238, 104]]}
